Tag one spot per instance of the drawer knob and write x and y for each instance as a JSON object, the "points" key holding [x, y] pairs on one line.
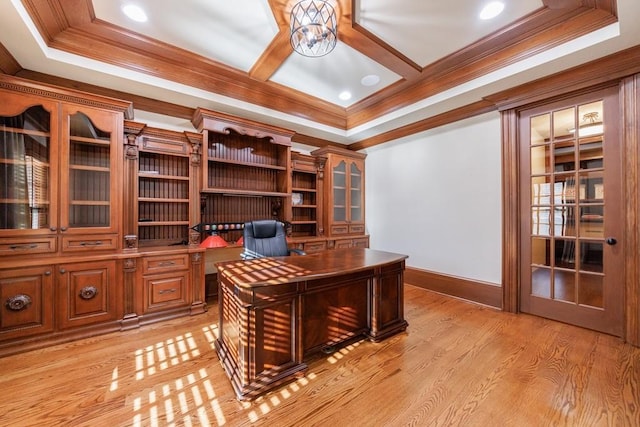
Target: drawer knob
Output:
{"points": [[167, 291], [88, 292], [18, 302]]}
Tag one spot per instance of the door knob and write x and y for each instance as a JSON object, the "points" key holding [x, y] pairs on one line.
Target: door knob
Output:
{"points": [[611, 241]]}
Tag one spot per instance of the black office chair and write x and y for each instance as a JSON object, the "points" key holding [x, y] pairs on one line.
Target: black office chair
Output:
{"points": [[266, 238]]}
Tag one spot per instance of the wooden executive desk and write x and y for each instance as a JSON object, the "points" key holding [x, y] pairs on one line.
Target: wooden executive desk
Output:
{"points": [[275, 312]]}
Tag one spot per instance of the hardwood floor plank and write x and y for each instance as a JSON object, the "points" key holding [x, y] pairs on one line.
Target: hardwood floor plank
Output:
{"points": [[458, 364]]}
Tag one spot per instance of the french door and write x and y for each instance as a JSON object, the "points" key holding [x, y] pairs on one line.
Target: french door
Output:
{"points": [[572, 265]]}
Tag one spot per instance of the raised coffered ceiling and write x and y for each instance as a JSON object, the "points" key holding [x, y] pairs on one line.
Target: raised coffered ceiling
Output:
{"points": [[234, 56]]}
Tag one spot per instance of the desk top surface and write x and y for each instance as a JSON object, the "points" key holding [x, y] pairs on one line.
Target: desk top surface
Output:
{"points": [[278, 270]]}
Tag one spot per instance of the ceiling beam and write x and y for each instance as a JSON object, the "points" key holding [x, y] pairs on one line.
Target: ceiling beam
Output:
{"points": [[8, 64], [278, 50], [353, 34]]}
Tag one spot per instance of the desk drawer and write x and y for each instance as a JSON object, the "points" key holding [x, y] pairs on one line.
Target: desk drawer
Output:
{"points": [[158, 264]]}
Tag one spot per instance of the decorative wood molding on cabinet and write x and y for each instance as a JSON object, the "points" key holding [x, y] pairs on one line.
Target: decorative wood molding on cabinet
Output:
{"points": [[224, 123]]}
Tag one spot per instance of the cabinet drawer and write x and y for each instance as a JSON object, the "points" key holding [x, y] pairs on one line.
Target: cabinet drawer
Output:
{"points": [[360, 242], [164, 146], [27, 246], [356, 229], [342, 244], [160, 264], [165, 290], [315, 247], [340, 229], [104, 242]]}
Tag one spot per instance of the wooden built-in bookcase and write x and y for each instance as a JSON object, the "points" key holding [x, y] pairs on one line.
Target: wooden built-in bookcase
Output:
{"points": [[307, 225], [114, 209], [95, 218], [167, 177], [247, 171]]}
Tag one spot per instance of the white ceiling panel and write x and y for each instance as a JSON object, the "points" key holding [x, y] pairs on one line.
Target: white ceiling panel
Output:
{"points": [[428, 30], [234, 33], [328, 76]]}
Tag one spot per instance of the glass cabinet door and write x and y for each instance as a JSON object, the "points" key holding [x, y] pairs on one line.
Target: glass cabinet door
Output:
{"points": [[26, 171], [340, 192], [355, 181], [87, 187]]}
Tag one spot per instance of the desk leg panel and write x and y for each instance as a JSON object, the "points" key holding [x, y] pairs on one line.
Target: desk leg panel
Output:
{"points": [[387, 306], [257, 343]]}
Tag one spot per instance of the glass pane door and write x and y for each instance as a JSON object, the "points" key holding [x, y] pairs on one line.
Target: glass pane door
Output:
{"points": [[340, 191], [355, 181], [570, 267], [25, 170], [89, 183]]}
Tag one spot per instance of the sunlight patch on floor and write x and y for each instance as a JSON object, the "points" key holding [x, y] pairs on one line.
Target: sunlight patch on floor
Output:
{"points": [[163, 355], [341, 353], [189, 400]]}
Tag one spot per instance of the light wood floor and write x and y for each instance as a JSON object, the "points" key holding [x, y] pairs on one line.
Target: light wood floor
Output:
{"points": [[458, 364]]}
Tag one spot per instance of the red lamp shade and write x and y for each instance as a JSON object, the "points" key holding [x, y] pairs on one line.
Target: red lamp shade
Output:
{"points": [[213, 241], [240, 241]]}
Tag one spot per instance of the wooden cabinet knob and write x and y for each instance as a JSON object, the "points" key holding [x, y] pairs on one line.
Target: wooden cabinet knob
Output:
{"points": [[88, 292], [18, 302]]}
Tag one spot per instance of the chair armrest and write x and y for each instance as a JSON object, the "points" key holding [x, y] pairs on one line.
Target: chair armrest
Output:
{"points": [[297, 252]]}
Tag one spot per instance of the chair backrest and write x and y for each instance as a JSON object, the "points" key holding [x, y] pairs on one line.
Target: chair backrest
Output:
{"points": [[264, 238]]}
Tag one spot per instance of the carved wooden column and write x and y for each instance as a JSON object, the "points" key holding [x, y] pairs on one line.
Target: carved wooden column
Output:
{"points": [[198, 304], [195, 140], [130, 319], [130, 188], [320, 163], [130, 221]]}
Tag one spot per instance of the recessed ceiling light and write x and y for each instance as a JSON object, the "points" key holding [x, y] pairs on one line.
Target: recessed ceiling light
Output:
{"points": [[345, 96], [492, 10], [370, 80], [134, 12]]}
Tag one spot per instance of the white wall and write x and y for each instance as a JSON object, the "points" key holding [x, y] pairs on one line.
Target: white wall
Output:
{"points": [[436, 196]]}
